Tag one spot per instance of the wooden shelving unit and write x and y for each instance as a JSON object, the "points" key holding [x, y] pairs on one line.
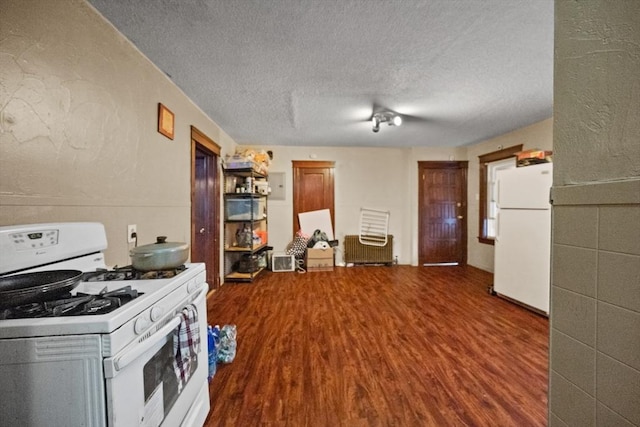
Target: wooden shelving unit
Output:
{"points": [[245, 225]]}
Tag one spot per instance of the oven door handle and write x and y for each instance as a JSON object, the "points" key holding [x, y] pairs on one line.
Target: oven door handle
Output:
{"points": [[121, 362]]}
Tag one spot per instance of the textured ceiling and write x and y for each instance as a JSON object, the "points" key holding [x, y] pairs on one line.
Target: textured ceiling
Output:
{"points": [[312, 72]]}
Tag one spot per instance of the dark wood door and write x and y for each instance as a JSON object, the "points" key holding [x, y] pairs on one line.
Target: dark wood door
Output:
{"points": [[205, 206], [442, 213], [312, 189]]}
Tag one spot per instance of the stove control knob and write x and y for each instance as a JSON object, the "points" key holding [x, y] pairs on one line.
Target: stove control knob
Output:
{"points": [[140, 325], [156, 313]]}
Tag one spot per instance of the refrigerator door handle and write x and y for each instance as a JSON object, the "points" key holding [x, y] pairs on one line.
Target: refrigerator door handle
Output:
{"points": [[497, 226]]}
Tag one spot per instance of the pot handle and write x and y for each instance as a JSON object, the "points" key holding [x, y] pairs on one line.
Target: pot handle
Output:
{"points": [[161, 239]]}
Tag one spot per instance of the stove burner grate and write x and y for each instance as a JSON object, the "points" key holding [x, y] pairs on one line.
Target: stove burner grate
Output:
{"points": [[69, 305], [129, 273]]}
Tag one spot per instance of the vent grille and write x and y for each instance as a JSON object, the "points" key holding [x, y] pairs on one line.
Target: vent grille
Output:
{"points": [[357, 253]]}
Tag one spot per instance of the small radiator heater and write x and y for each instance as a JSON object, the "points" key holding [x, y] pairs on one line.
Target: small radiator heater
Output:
{"points": [[357, 253]]}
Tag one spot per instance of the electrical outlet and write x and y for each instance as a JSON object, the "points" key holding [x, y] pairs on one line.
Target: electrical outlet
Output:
{"points": [[131, 233]]}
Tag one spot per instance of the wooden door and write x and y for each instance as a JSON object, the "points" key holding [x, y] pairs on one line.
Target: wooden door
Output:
{"points": [[442, 213], [205, 205], [312, 189]]}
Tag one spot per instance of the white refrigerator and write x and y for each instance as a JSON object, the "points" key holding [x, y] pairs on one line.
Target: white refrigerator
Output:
{"points": [[523, 235]]}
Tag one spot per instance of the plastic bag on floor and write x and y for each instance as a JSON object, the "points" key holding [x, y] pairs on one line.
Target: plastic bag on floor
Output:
{"points": [[213, 337], [227, 348]]}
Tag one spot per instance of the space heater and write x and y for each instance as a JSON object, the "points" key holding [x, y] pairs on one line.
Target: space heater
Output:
{"points": [[282, 262]]}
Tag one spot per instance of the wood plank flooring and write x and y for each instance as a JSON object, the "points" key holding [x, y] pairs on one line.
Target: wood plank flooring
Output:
{"points": [[378, 346]]}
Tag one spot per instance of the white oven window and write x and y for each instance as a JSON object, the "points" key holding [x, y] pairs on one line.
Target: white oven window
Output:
{"points": [[161, 384]]}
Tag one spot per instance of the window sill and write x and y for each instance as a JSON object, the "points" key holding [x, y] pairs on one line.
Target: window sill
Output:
{"points": [[486, 241]]}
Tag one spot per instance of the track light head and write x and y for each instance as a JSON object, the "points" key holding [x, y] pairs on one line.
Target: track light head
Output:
{"points": [[376, 124], [391, 118]]}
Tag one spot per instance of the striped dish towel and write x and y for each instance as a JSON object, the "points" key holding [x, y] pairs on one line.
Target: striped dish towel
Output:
{"points": [[186, 345]]}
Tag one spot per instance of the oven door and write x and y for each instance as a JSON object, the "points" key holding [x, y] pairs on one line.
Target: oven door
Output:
{"points": [[142, 385]]}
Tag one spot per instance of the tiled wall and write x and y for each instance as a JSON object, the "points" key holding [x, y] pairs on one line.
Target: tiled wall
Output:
{"points": [[595, 306]]}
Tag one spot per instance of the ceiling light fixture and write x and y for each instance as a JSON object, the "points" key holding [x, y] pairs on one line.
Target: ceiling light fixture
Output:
{"points": [[392, 119]]}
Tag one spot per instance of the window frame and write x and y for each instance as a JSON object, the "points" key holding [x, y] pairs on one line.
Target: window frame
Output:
{"points": [[484, 160]]}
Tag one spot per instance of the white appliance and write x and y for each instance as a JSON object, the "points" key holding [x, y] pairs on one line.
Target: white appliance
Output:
{"points": [[523, 235], [282, 262], [112, 369]]}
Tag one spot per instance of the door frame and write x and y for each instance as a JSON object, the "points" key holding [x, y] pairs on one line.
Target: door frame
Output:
{"points": [[202, 143], [298, 165], [463, 166]]}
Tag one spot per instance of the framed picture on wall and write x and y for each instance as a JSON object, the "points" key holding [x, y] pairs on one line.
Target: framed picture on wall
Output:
{"points": [[165, 121]]}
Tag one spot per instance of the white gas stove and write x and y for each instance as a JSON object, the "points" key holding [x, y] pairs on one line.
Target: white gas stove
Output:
{"points": [[82, 364]]}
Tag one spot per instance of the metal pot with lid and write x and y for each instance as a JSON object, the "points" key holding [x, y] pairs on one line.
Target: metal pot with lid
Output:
{"points": [[161, 255]]}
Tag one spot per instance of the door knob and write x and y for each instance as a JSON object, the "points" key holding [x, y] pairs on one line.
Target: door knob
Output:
{"points": [[202, 230], [460, 217]]}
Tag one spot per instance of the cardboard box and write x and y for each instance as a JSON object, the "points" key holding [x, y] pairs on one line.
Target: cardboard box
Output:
{"points": [[532, 157], [320, 259]]}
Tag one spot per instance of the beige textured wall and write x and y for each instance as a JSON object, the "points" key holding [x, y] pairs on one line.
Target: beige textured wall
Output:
{"points": [[78, 120], [595, 294], [597, 91]]}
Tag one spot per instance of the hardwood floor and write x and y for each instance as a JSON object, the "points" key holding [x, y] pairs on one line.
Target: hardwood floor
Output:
{"points": [[378, 346]]}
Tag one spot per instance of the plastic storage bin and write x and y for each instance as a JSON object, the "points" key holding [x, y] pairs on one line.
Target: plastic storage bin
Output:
{"points": [[243, 209]]}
